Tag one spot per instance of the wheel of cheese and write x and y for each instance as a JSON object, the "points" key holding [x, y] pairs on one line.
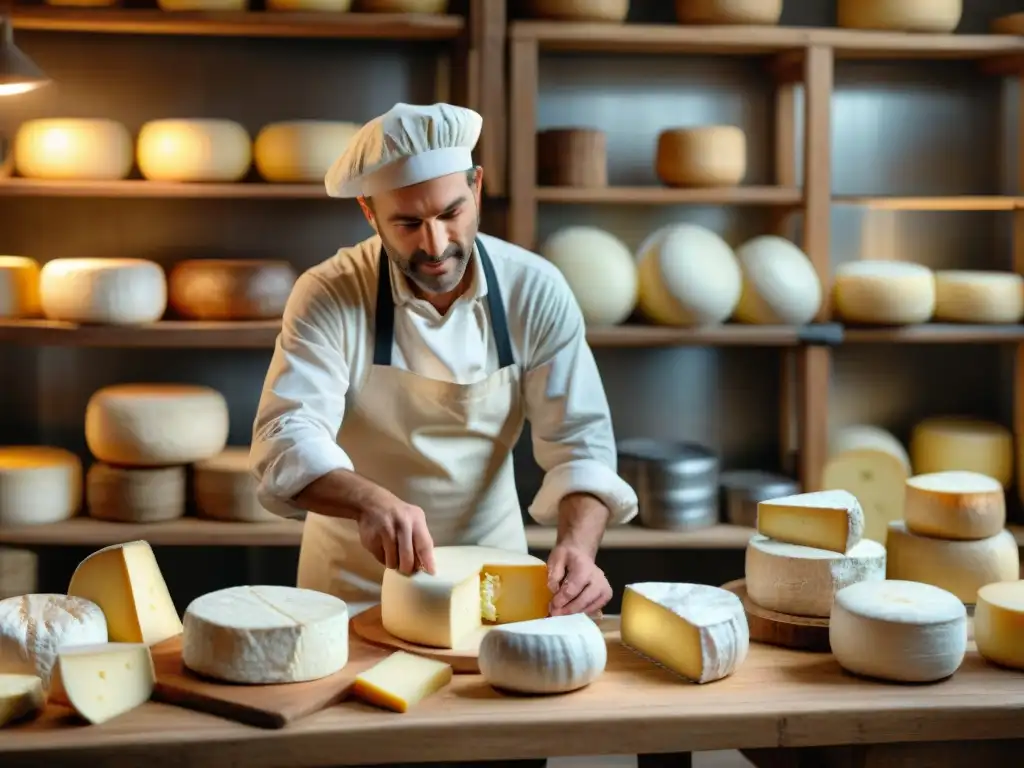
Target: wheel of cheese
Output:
{"points": [[230, 289], [225, 489], [578, 10], [955, 505], [867, 437], [965, 296], [728, 11], [898, 630], [961, 567], [688, 276], [73, 149], [301, 150], [38, 485], [884, 292], [998, 616], [194, 150], [780, 285], [153, 425], [129, 495], [103, 291], [939, 16], [600, 270], [331, 6], [203, 5], [403, 6], [944, 443], [19, 287], [703, 156]]}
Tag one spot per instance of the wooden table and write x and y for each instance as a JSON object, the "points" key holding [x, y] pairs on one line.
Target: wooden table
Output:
{"points": [[778, 698]]}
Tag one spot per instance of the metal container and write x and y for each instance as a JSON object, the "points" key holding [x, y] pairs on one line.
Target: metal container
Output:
{"points": [[676, 482], [743, 488]]}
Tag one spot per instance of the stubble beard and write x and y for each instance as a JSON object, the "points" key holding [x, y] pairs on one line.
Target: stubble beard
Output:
{"points": [[436, 284]]}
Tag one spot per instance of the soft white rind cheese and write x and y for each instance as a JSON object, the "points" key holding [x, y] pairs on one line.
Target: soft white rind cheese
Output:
{"points": [[38, 485], [943, 443], [999, 623], [955, 505], [103, 291], [780, 285], [19, 288], [21, 696], [73, 149], [194, 150], [884, 292], [552, 655], [266, 634]]}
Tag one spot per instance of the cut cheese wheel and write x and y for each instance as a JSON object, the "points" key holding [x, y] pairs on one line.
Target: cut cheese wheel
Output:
{"points": [[34, 627], [998, 619], [702, 156], [225, 489], [884, 292], [194, 150], [578, 10], [19, 288], [230, 289], [832, 520], [446, 609], [73, 149], [401, 681], [867, 437], [697, 631], [106, 291], [965, 296], [153, 425], [688, 276], [265, 634], [125, 581], [938, 16], [38, 485], [600, 271], [728, 11], [103, 681], [803, 581], [902, 631], [877, 479], [301, 150], [552, 655], [21, 697], [945, 443], [955, 505], [779, 283], [128, 495], [961, 567]]}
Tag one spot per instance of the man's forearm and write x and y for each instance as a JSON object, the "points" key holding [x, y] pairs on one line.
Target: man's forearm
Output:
{"points": [[341, 493], [582, 519]]}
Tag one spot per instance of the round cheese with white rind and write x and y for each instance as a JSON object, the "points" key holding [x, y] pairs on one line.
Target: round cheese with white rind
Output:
{"points": [[103, 291], [73, 149], [135, 495], [728, 11], [230, 289], [935, 16], [19, 288], [780, 285], [867, 437], [301, 150], [557, 654], [955, 505], [202, 149], [39, 485], [998, 618], [901, 631], [701, 156], [225, 489], [884, 292], [966, 296], [944, 443], [21, 697]]}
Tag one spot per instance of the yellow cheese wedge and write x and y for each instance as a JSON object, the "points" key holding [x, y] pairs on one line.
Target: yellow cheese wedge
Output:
{"points": [[511, 593], [831, 520], [999, 623], [105, 680], [401, 681], [21, 696]]}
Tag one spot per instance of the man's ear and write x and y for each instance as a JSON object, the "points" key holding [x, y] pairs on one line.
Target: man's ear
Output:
{"points": [[367, 212], [478, 186]]}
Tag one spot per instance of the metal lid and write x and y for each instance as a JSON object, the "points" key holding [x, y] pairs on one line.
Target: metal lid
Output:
{"points": [[667, 452], [758, 480]]}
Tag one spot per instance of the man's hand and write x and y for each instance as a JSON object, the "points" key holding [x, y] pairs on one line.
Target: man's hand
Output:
{"points": [[577, 584], [396, 534]]}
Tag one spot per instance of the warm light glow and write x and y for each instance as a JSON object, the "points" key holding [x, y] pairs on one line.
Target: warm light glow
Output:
{"points": [[15, 89]]}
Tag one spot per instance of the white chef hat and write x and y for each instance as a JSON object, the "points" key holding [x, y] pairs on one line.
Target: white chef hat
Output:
{"points": [[407, 145]]}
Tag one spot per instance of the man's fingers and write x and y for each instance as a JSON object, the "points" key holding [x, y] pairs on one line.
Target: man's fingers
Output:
{"points": [[556, 570], [588, 600], [406, 553], [387, 541], [572, 586], [424, 546]]}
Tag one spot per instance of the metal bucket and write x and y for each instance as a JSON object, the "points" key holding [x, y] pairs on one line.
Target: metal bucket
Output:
{"points": [[676, 482]]}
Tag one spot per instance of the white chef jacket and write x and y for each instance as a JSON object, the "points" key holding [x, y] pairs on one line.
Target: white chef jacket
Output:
{"points": [[325, 350]]}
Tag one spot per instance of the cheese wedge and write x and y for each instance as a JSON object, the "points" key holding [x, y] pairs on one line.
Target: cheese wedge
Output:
{"points": [[103, 681], [21, 696], [401, 681], [955, 505], [830, 520]]}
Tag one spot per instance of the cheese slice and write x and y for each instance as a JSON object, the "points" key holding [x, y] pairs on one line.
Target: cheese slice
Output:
{"points": [[21, 696], [266, 634], [944, 443], [401, 681], [38, 485], [552, 655], [803, 581], [103, 681], [19, 288], [955, 505], [129, 495], [103, 291], [125, 581], [697, 631], [225, 489], [903, 631], [831, 520], [999, 623]]}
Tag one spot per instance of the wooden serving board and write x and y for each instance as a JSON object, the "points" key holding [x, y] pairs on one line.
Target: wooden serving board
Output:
{"points": [[464, 660], [802, 633], [265, 706]]}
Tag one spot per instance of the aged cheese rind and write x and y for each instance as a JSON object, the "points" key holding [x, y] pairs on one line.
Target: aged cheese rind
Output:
{"points": [[780, 285], [867, 437], [702, 156], [936, 16], [301, 150], [967, 296], [884, 292], [19, 288], [128, 495], [944, 443], [104, 681], [824, 519], [955, 505], [728, 11], [999, 623], [103, 291], [230, 289], [202, 149], [401, 681], [38, 485], [73, 149], [225, 489]]}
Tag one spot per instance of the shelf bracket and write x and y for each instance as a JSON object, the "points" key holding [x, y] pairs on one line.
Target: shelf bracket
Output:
{"points": [[821, 334]]}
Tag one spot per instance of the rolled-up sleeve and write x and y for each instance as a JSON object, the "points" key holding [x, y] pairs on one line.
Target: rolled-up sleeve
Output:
{"points": [[294, 436], [571, 425]]}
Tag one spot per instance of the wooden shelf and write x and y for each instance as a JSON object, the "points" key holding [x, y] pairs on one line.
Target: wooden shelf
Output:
{"points": [[646, 336], [952, 203], [749, 195], [18, 187], [936, 333]]}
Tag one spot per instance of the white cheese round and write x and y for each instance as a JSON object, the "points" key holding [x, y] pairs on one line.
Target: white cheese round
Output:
{"points": [[728, 11], [132, 495], [152, 425], [884, 292], [702, 156], [551, 655], [21, 697], [230, 289], [780, 285], [301, 150], [965, 296], [265, 634], [225, 489], [38, 485], [937, 16], [998, 617], [944, 443], [955, 505], [600, 270], [19, 288], [103, 291], [194, 150], [73, 149]]}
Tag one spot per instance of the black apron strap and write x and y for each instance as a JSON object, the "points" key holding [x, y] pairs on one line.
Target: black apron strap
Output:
{"points": [[496, 307]]}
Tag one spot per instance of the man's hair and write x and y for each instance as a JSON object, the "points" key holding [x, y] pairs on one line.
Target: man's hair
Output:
{"points": [[471, 175]]}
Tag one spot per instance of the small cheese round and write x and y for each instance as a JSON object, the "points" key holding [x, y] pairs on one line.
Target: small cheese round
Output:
{"points": [[129, 495], [998, 618], [225, 489], [780, 285], [103, 291], [230, 289], [19, 288], [902, 631], [802, 581], [961, 567], [73, 149], [955, 505], [702, 156], [600, 270], [152, 425], [728, 11], [553, 655], [688, 276], [38, 485], [944, 443], [194, 150], [938, 16], [575, 10], [884, 292], [965, 296], [867, 437], [301, 150]]}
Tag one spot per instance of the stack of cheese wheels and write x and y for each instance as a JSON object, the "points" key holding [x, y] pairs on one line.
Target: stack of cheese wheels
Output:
{"points": [[965, 296], [73, 149], [999, 623], [943, 443], [143, 436], [728, 11], [780, 285], [703, 156], [225, 489], [201, 150], [884, 293], [230, 289], [103, 291], [600, 270], [301, 150], [19, 288], [953, 534], [38, 485], [575, 10], [937, 16], [807, 548]]}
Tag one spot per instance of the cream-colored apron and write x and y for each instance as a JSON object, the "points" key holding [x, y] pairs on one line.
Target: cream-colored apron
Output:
{"points": [[444, 447]]}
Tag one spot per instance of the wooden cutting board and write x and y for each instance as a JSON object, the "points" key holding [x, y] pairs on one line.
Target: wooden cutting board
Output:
{"points": [[265, 706], [464, 660], [801, 633]]}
